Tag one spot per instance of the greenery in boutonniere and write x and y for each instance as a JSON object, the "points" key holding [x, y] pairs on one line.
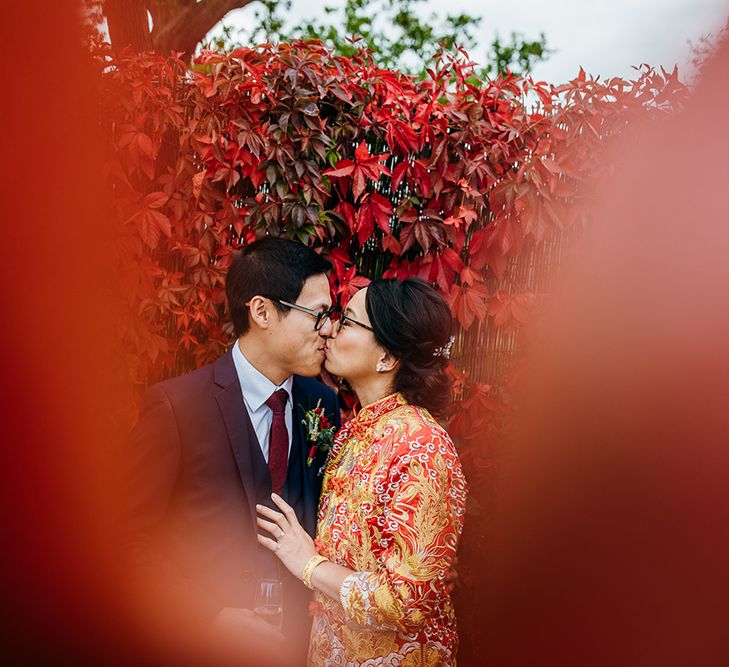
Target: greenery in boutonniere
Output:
{"points": [[319, 431]]}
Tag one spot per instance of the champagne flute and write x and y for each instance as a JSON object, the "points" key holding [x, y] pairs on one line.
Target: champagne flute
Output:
{"points": [[268, 602]]}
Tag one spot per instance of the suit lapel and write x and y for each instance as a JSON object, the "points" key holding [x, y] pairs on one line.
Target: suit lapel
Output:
{"points": [[237, 424]]}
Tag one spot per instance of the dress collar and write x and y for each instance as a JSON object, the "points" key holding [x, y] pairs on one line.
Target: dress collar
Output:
{"points": [[371, 412]]}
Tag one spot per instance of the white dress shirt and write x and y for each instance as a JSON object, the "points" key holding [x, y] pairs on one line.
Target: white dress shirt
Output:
{"points": [[257, 389]]}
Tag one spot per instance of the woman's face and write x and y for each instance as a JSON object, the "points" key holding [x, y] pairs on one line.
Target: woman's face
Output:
{"points": [[353, 352]]}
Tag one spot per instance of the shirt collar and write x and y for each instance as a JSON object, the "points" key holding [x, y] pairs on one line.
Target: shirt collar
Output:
{"points": [[258, 388]]}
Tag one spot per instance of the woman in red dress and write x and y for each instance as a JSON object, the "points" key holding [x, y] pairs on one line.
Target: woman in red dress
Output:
{"points": [[393, 497]]}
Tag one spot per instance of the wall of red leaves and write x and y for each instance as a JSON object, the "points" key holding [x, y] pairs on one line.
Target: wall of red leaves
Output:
{"points": [[447, 178]]}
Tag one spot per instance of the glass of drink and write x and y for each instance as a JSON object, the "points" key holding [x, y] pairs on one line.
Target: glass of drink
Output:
{"points": [[268, 602]]}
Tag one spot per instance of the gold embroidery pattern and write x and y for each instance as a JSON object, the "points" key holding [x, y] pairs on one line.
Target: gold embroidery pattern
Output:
{"points": [[392, 508]]}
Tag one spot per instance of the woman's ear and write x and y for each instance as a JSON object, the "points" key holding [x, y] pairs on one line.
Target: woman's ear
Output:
{"points": [[260, 311], [387, 362]]}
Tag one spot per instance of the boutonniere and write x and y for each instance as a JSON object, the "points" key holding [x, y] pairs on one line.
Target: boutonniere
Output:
{"points": [[319, 431]]}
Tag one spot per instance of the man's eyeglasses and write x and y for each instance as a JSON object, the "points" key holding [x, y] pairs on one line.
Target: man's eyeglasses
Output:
{"points": [[321, 316]]}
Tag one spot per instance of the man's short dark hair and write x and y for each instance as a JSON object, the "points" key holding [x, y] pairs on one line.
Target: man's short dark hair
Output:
{"points": [[272, 267]]}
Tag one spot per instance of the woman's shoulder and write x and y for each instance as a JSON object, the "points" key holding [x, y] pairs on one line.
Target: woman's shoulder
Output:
{"points": [[412, 439], [410, 423]]}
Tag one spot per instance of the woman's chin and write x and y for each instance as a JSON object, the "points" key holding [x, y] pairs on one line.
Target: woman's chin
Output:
{"points": [[332, 368]]}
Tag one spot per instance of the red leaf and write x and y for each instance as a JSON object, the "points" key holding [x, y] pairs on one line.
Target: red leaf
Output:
{"points": [[478, 411], [468, 303], [367, 168], [359, 183], [398, 173], [349, 285], [257, 176], [362, 153], [346, 212], [365, 222], [391, 244], [470, 277], [342, 168], [145, 144], [155, 200], [151, 225], [511, 311]]}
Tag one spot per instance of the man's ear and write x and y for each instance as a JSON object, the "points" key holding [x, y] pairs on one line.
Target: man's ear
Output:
{"points": [[260, 310], [387, 363]]}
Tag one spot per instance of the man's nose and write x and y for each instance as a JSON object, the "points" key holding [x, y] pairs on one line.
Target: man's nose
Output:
{"points": [[327, 328]]}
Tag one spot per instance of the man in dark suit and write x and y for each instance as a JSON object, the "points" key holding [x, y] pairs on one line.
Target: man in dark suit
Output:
{"points": [[212, 444]]}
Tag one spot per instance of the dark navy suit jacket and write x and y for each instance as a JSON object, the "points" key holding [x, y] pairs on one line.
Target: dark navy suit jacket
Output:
{"points": [[196, 474]]}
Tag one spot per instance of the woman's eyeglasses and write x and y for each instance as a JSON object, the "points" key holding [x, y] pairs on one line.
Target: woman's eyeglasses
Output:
{"points": [[343, 319]]}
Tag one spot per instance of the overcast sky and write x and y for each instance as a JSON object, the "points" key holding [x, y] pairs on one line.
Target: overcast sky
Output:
{"points": [[605, 37]]}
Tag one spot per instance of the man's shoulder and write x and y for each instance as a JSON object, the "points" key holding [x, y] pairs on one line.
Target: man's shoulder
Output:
{"points": [[187, 384]]}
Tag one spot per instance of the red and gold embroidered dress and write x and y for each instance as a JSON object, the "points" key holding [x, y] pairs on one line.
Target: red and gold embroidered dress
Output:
{"points": [[391, 509]]}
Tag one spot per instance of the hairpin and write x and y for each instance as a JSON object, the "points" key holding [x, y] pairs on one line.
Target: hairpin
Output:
{"points": [[445, 350]]}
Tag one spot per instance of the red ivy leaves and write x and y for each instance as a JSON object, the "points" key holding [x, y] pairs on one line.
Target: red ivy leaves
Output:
{"points": [[150, 220], [468, 303], [344, 280], [473, 415], [374, 209], [250, 143], [364, 168], [349, 285], [464, 215], [511, 311]]}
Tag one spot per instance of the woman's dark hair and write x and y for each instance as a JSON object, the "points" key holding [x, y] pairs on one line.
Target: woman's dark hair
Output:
{"points": [[412, 321], [272, 267]]}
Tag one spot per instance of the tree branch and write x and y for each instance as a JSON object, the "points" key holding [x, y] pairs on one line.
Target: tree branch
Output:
{"points": [[186, 29], [128, 24]]}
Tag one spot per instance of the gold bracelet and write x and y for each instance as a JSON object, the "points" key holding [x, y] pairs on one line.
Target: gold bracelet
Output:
{"points": [[315, 560]]}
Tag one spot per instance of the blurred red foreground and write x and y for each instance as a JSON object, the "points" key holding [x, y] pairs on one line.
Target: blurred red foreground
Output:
{"points": [[612, 542]]}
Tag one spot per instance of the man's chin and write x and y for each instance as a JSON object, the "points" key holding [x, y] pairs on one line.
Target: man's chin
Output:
{"points": [[310, 371]]}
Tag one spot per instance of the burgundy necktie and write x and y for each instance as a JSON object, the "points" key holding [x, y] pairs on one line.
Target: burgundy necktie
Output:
{"points": [[278, 442]]}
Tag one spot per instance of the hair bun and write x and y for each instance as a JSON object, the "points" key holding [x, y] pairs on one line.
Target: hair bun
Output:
{"points": [[413, 322]]}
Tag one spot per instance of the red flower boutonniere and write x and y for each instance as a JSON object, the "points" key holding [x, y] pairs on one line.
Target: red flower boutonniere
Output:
{"points": [[319, 431]]}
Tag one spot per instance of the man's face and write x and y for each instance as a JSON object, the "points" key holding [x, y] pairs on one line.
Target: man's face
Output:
{"points": [[297, 346]]}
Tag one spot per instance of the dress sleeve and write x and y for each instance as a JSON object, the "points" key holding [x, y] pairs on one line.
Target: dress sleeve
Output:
{"points": [[423, 505]]}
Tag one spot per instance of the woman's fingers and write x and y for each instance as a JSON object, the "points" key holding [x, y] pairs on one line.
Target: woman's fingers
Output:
{"points": [[269, 526], [273, 515], [267, 542], [285, 508]]}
